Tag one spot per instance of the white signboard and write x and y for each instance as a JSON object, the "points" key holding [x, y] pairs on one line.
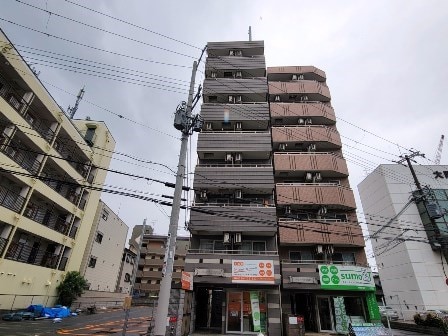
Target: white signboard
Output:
{"points": [[253, 271]]}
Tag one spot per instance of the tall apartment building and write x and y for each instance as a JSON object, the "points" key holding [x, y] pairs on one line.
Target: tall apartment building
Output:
{"points": [[102, 257], [151, 263], [407, 250], [315, 205], [233, 221], [47, 167], [273, 224]]}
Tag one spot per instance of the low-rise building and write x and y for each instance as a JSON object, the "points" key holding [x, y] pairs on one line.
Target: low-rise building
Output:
{"points": [[124, 284]]}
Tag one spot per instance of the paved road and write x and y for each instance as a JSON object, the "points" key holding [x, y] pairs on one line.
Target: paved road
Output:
{"points": [[397, 332], [101, 324]]}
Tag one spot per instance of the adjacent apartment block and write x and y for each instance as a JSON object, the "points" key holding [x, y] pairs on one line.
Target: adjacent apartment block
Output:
{"points": [[151, 263], [127, 266], [407, 251], [102, 258], [46, 169], [274, 229]]}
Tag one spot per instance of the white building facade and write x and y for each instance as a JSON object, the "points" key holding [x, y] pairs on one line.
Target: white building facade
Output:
{"points": [[102, 258], [408, 256]]}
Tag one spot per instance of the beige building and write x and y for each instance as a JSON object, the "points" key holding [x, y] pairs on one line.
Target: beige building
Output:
{"points": [[102, 257], [46, 205], [124, 284]]}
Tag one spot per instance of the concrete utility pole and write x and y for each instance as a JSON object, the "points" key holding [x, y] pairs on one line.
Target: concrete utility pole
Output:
{"points": [[184, 122]]}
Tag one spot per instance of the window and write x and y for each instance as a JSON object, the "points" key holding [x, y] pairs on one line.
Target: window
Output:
{"points": [[344, 258], [259, 247], [206, 245], [92, 262], [212, 99], [90, 135], [105, 215], [127, 277], [228, 74], [295, 256], [301, 256], [99, 238]]}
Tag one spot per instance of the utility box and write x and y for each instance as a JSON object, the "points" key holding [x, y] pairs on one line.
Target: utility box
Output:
{"points": [[295, 325]]}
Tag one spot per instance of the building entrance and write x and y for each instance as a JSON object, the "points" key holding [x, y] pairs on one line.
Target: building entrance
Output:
{"points": [[209, 309], [246, 312], [325, 310]]}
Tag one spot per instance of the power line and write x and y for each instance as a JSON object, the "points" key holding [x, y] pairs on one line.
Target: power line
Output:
{"points": [[105, 30]]}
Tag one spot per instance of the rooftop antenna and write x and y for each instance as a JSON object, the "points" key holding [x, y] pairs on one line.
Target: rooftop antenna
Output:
{"points": [[250, 33], [72, 110]]}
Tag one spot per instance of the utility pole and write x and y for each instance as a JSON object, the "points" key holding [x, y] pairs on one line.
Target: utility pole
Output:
{"points": [[134, 275], [408, 158], [187, 124], [250, 33]]}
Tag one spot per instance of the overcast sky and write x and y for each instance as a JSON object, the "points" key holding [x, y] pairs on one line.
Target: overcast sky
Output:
{"points": [[386, 65]]}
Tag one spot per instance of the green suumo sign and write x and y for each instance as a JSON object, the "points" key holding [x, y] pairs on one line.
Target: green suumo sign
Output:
{"points": [[342, 277]]}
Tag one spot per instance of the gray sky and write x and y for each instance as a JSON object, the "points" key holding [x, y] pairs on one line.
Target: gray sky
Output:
{"points": [[386, 64]]}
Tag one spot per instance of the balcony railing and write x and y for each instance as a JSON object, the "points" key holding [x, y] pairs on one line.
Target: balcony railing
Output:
{"points": [[239, 252], [10, 199], [63, 264], [321, 262], [249, 203], [31, 255], [3, 242], [73, 231], [40, 127], [22, 156], [10, 96], [47, 217], [75, 161]]}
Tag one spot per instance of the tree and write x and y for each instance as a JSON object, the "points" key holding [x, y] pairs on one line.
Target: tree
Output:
{"points": [[71, 288]]}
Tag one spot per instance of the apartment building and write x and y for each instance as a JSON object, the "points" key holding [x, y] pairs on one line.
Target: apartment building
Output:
{"points": [[317, 223], [152, 259], [273, 223], [102, 257], [410, 249], [47, 166], [127, 266], [233, 253]]}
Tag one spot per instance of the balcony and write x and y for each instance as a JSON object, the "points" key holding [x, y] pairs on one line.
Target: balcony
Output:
{"points": [[334, 232], [73, 231], [40, 126], [22, 155], [251, 116], [33, 255], [315, 194], [250, 179], [3, 243], [67, 152], [48, 217], [248, 48], [252, 90], [252, 145], [249, 66], [217, 218], [11, 96], [297, 90], [284, 73], [216, 266], [11, 199], [300, 137], [289, 113], [329, 165], [66, 191]]}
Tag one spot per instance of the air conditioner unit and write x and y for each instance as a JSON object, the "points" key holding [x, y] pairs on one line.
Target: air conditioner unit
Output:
{"points": [[317, 177], [319, 249], [329, 249], [287, 210], [231, 52], [277, 98], [238, 194], [231, 99], [239, 74], [309, 121], [229, 158], [209, 126], [238, 238], [238, 157], [238, 53], [213, 74], [304, 98], [239, 99], [312, 148], [308, 177], [295, 77], [239, 126], [301, 121], [322, 211], [226, 239], [282, 147], [203, 194], [300, 77]]}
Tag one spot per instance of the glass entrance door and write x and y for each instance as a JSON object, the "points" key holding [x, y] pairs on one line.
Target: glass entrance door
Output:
{"points": [[234, 311], [325, 313]]}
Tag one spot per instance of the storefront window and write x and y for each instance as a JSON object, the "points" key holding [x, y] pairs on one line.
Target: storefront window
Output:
{"points": [[354, 308], [247, 311]]}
